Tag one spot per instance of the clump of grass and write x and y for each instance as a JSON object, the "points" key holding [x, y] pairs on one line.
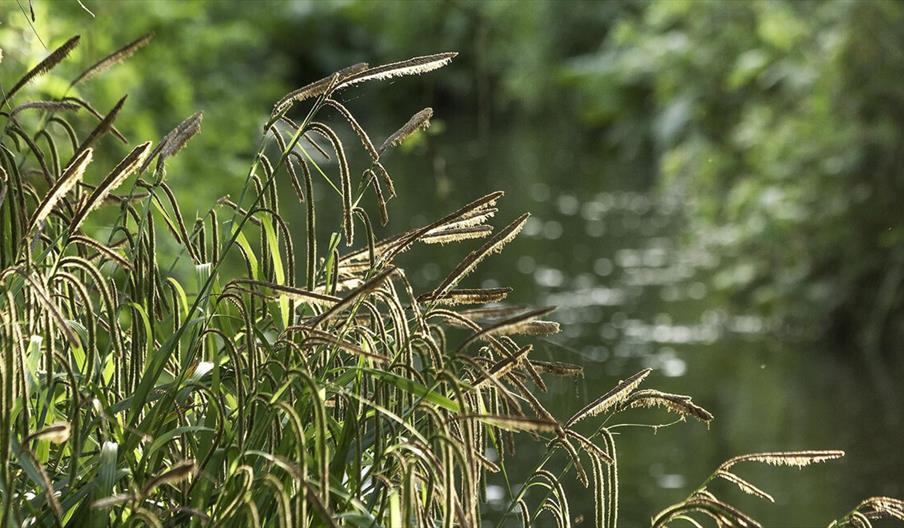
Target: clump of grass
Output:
{"points": [[871, 509], [703, 504], [220, 389]]}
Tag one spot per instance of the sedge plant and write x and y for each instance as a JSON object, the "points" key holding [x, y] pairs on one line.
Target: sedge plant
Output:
{"points": [[163, 372]]}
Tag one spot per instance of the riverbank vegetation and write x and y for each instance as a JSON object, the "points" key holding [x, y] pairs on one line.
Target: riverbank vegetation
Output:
{"points": [[774, 121], [168, 366]]}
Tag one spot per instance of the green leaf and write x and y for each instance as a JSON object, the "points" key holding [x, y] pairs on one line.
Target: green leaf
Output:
{"points": [[162, 439], [278, 272], [415, 388], [252, 258]]}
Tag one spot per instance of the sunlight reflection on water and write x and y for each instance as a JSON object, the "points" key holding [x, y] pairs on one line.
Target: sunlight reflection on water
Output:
{"points": [[634, 289]]}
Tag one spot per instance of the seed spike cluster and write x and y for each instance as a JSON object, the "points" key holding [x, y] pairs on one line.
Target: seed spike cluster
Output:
{"points": [[612, 398], [468, 296], [50, 106], [419, 121], [414, 66], [316, 88], [703, 503], [178, 138], [798, 459], [743, 485], [474, 258], [114, 179], [195, 381], [873, 508], [105, 124], [676, 403]]}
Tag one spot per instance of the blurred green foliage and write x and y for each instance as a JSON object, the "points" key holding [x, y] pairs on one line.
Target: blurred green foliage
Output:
{"points": [[777, 122], [780, 124], [204, 57]]}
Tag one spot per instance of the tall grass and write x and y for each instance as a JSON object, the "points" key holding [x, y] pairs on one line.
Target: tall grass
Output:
{"points": [[237, 380]]}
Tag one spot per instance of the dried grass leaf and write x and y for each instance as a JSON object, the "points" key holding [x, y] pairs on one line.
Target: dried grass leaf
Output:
{"points": [[513, 423], [56, 433], [296, 294], [180, 471]]}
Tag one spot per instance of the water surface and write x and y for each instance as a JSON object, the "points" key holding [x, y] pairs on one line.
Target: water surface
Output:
{"points": [[633, 290]]}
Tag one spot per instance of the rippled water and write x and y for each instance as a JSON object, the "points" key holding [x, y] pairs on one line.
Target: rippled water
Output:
{"points": [[632, 287]]}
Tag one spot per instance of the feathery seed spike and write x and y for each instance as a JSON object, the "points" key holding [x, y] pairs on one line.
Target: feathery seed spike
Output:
{"points": [[419, 121], [55, 57], [611, 398], [113, 59], [67, 180]]}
